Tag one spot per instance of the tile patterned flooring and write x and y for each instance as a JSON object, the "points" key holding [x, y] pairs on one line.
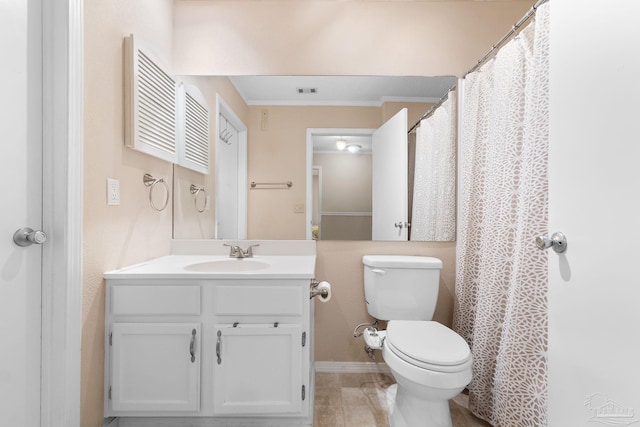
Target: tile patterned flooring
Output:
{"points": [[359, 400]]}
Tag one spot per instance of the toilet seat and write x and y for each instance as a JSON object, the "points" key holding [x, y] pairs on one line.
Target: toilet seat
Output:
{"points": [[428, 345]]}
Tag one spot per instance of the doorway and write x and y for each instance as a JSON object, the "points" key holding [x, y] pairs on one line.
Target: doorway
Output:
{"points": [[331, 218]]}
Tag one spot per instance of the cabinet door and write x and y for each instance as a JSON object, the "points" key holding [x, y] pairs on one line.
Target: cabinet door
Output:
{"points": [[258, 369], [155, 367]]}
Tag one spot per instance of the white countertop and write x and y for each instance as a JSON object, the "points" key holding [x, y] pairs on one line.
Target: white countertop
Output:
{"points": [[295, 263]]}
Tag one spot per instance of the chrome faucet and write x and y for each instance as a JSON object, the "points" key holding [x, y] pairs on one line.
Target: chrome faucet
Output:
{"points": [[236, 251]]}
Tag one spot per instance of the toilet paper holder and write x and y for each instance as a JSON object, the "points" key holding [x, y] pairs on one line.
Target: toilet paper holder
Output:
{"points": [[315, 291]]}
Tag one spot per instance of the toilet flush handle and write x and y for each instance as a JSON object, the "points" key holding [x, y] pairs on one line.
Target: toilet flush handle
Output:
{"points": [[378, 271]]}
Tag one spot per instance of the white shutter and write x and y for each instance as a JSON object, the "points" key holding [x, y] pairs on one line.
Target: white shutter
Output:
{"points": [[150, 103], [194, 130]]}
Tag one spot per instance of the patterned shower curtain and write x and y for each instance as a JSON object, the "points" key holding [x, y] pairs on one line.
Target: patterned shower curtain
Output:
{"points": [[434, 195], [501, 277]]}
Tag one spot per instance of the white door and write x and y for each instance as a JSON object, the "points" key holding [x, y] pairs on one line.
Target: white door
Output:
{"points": [[21, 178], [258, 370], [227, 186], [155, 367], [231, 174], [594, 198], [389, 180]]}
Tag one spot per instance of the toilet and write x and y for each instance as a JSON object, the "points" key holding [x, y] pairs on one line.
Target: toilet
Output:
{"points": [[430, 362]]}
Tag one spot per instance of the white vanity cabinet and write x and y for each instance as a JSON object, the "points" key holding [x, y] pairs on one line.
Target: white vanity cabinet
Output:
{"points": [[153, 335], [220, 351], [155, 367], [262, 353]]}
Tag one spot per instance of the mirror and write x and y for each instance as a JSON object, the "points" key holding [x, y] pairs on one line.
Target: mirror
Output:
{"points": [[286, 107]]}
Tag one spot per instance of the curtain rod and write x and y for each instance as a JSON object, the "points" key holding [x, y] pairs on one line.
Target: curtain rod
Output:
{"points": [[484, 59], [433, 109], [507, 36]]}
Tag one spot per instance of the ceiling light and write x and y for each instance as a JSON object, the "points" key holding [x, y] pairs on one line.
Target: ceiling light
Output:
{"points": [[341, 144], [353, 148]]}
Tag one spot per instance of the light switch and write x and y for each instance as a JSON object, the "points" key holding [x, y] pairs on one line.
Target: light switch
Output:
{"points": [[298, 208], [113, 192]]}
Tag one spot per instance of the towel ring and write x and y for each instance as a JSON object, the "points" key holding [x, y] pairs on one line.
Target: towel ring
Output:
{"points": [[151, 182], [195, 190]]}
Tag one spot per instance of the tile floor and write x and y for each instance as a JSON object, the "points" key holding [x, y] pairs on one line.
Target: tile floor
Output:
{"points": [[359, 400]]}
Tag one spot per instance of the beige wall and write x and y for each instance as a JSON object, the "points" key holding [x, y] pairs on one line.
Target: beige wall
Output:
{"points": [[249, 37], [339, 37], [346, 181], [346, 227], [346, 187], [278, 154], [415, 111], [115, 236]]}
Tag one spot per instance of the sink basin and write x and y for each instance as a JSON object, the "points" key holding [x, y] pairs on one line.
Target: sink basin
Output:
{"points": [[228, 266]]}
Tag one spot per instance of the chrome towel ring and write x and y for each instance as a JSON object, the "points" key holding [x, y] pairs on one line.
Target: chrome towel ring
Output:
{"points": [[195, 190], [150, 181]]}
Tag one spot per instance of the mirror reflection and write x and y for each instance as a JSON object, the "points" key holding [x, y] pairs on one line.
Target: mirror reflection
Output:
{"points": [[342, 192], [332, 193]]}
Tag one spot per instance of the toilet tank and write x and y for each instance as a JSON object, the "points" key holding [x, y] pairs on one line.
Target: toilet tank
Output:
{"points": [[401, 287]]}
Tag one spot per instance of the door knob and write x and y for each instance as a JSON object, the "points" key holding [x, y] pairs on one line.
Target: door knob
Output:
{"points": [[27, 236], [557, 241]]}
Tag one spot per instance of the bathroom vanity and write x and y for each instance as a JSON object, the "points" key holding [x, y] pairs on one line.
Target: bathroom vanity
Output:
{"points": [[217, 340]]}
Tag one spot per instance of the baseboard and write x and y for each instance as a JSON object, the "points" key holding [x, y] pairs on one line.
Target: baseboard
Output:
{"points": [[352, 367]]}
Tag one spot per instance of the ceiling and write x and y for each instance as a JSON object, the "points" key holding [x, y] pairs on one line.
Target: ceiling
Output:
{"points": [[340, 90]]}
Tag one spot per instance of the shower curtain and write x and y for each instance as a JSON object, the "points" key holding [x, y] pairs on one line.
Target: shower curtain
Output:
{"points": [[434, 196], [501, 277]]}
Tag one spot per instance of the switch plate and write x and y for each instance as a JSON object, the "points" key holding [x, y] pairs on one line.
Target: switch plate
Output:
{"points": [[113, 192], [298, 208]]}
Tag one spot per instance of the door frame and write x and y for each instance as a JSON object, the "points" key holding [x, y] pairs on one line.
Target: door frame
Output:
{"points": [[317, 170], [311, 132], [62, 172]]}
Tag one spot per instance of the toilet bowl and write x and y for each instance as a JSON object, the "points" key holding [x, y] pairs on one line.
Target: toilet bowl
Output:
{"points": [[430, 362]]}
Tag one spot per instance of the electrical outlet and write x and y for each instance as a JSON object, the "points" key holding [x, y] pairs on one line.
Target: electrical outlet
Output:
{"points": [[113, 192], [298, 208]]}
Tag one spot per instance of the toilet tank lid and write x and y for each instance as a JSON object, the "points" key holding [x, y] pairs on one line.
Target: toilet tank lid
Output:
{"points": [[401, 261]]}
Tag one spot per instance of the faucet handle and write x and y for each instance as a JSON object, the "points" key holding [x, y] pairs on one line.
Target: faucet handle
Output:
{"points": [[249, 250], [234, 250]]}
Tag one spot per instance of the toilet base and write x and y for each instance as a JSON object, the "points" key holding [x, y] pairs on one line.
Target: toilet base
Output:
{"points": [[407, 410]]}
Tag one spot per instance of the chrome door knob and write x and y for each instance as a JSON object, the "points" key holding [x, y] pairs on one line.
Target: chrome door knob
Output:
{"points": [[557, 241], [27, 236]]}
